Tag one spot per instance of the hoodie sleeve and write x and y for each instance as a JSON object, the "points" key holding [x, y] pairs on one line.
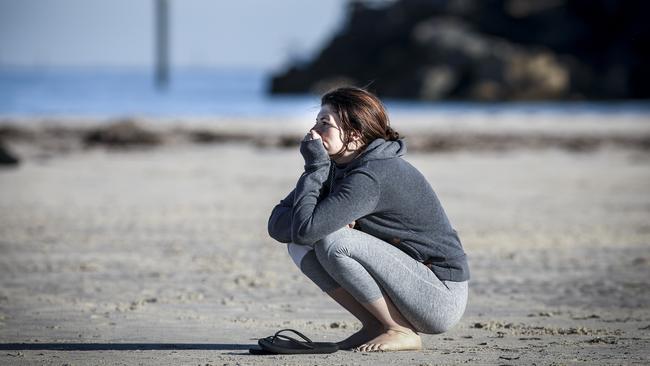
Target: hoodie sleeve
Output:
{"points": [[279, 225], [356, 196]]}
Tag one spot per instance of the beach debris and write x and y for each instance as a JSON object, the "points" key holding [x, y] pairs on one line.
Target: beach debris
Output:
{"points": [[228, 300], [256, 280], [289, 141], [544, 314], [139, 303], [12, 132], [204, 136], [89, 267], [121, 134], [524, 329], [57, 138], [605, 340], [509, 358], [281, 141], [640, 261], [446, 142], [336, 325], [592, 316], [190, 297]]}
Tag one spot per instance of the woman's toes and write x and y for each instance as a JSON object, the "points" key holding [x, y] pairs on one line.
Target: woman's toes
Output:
{"points": [[362, 348], [393, 340]]}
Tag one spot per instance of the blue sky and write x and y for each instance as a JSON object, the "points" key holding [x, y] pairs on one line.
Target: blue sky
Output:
{"points": [[214, 33]]}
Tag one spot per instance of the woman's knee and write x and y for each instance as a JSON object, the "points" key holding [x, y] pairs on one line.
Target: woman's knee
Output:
{"points": [[310, 266], [446, 314], [334, 244]]}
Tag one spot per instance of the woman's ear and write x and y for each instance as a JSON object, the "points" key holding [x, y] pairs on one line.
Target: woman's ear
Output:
{"points": [[355, 140], [355, 135]]}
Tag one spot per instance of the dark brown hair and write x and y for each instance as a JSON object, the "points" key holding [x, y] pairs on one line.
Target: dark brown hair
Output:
{"points": [[361, 112]]}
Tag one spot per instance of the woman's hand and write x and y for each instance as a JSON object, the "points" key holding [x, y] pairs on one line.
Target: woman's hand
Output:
{"points": [[311, 135], [314, 153]]}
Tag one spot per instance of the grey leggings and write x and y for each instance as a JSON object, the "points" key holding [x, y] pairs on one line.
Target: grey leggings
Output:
{"points": [[368, 268]]}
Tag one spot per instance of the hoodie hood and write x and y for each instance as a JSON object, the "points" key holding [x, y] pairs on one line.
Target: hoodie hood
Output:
{"points": [[379, 149]]}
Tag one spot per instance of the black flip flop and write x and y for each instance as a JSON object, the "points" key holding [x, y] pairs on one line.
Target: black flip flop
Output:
{"points": [[283, 344], [256, 350]]}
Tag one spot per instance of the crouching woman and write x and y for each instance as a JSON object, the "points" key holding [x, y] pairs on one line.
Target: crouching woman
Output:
{"points": [[367, 228]]}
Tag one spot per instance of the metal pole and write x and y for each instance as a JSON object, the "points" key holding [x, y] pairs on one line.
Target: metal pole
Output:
{"points": [[162, 43]]}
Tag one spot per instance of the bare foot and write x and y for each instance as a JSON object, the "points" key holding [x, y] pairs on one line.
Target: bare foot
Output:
{"points": [[362, 336], [393, 340]]}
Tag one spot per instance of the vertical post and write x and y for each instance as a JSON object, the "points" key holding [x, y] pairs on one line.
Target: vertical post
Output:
{"points": [[162, 42]]}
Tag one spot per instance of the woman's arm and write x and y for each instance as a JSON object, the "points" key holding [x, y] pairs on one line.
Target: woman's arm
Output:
{"points": [[355, 197], [279, 225]]}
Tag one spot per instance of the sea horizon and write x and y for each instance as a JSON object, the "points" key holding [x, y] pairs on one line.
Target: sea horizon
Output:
{"points": [[204, 92]]}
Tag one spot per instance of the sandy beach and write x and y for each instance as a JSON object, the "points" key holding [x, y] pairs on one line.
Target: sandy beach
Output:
{"points": [[159, 255]]}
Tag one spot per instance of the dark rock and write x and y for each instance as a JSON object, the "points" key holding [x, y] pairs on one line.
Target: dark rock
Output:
{"points": [[485, 50], [209, 137], [125, 133], [15, 133], [448, 142], [289, 141], [499, 70], [7, 158]]}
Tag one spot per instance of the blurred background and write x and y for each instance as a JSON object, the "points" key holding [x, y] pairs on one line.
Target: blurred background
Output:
{"points": [[143, 144], [99, 58], [249, 58]]}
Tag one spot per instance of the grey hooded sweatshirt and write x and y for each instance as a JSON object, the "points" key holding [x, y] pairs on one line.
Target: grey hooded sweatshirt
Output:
{"points": [[386, 196]]}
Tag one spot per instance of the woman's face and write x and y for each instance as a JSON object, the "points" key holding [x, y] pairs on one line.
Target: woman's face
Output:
{"points": [[329, 129]]}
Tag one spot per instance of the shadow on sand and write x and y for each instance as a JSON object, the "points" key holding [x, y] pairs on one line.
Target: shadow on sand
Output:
{"points": [[122, 346]]}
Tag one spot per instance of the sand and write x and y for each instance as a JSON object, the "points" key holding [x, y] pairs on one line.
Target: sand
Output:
{"points": [[160, 256]]}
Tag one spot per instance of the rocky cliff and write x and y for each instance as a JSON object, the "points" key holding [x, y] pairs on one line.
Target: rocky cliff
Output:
{"points": [[485, 50]]}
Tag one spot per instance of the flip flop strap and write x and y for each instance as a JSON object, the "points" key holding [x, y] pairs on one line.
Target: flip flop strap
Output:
{"points": [[308, 341]]}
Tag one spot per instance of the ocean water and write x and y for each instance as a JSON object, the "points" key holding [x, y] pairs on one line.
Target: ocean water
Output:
{"points": [[104, 92], [195, 92]]}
